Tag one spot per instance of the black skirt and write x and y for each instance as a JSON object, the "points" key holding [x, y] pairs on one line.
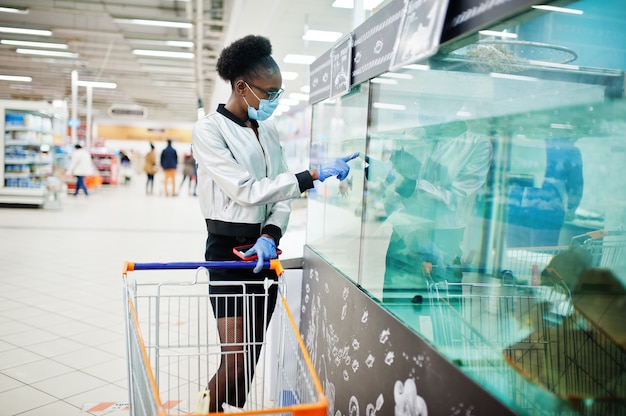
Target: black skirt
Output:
{"points": [[228, 300]]}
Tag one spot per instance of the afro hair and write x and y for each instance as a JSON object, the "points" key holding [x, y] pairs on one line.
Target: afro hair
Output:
{"points": [[244, 56]]}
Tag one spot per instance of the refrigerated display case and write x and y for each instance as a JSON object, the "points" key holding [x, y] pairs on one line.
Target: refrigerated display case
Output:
{"points": [[107, 164], [30, 129], [487, 211]]}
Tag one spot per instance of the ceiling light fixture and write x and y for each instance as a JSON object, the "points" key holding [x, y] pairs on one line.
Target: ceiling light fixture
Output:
{"points": [[321, 35], [349, 4], [15, 78], [170, 69], [557, 9], [13, 10], [513, 77], [22, 31], [289, 76], [163, 54], [497, 34], [389, 106], [33, 44], [417, 67], [57, 54], [97, 84], [384, 81], [159, 23], [291, 58], [397, 75], [554, 65], [179, 43]]}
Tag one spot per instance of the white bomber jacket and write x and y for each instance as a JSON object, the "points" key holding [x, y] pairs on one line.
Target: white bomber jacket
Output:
{"points": [[243, 183]]}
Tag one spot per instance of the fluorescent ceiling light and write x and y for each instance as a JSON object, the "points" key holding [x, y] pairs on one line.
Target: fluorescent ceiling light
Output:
{"points": [[180, 43], [417, 67], [299, 96], [13, 10], [384, 81], [33, 44], [15, 78], [172, 84], [57, 54], [163, 54], [513, 77], [97, 84], [557, 9], [172, 69], [21, 31], [321, 35], [283, 108], [388, 106], [553, 65], [397, 75], [159, 23], [291, 58], [305, 89], [497, 34], [349, 4], [564, 126], [289, 76]]}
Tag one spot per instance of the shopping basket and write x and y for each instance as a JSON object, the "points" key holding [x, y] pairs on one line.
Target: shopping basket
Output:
{"points": [[173, 348]]}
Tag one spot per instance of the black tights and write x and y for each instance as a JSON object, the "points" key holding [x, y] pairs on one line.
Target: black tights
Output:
{"points": [[240, 354]]}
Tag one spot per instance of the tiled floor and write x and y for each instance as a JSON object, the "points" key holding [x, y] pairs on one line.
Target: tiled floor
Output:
{"points": [[62, 342]]}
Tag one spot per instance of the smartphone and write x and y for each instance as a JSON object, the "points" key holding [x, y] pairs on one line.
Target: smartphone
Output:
{"points": [[239, 250]]}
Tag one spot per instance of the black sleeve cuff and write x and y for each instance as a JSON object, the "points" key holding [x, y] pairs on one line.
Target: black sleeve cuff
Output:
{"points": [[305, 180], [273, 231]]}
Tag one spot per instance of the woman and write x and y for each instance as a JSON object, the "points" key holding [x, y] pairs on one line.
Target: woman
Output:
{"points": [[81, 166], [150, 168], [244, 191]]}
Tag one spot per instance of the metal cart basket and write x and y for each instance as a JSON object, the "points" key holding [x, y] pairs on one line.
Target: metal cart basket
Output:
{"points": [[173, 348], [607, 249], [523, 341]]}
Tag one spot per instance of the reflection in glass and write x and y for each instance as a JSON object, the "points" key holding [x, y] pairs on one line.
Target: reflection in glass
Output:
{"points": [[427, 187]]}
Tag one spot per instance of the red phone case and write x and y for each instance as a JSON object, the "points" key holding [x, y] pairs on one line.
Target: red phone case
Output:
{"points": [[239, 250]]}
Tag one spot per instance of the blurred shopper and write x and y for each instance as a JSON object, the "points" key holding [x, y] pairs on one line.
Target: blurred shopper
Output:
{"points": [[244, 190], [169, 162], [535, 215], [126, 167], [189, 173], [81, 165], [150, 167]]}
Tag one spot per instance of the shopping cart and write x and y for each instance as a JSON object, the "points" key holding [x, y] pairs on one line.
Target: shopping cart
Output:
{"points": [[173, 348], [606, 249], [529, 346]]}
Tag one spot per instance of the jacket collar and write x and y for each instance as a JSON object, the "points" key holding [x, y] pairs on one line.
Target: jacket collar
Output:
{"points": [[221, 108]]}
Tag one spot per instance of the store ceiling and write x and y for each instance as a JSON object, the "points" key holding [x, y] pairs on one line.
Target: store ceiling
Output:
{"points": [[167, 88]]}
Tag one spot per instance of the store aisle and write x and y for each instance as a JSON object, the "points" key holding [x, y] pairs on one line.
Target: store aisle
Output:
{"points": [[62, 337]]}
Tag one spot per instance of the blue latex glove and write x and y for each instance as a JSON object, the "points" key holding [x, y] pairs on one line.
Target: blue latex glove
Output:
{"points": [[265, 249], [336, 167]]}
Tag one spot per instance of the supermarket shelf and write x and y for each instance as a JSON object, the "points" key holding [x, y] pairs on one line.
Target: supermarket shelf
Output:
{"points": [[23, 196]]}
